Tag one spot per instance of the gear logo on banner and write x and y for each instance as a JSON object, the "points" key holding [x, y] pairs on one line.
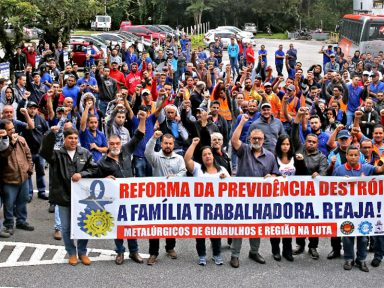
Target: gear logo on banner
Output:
{"points": [[95, 220], [365, 227]]}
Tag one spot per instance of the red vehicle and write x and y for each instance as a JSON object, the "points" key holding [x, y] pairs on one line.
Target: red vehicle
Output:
{"points": [[125, 23], [80, 50], [141, 31]]}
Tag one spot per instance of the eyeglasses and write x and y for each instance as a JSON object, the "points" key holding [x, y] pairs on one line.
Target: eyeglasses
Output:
{"points": [[366, 147], [257, 138]]}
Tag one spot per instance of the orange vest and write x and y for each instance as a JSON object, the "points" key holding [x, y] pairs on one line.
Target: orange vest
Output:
{"points": [[377, 150], [275, 104], [343, 107], [291, 109]]}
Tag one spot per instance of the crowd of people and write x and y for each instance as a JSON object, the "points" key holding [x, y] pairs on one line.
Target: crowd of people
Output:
{"points": [[177, 111]]}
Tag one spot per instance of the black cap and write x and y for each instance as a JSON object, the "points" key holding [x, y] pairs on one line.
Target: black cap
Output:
{"points": [[143, 108], [32, 104]]}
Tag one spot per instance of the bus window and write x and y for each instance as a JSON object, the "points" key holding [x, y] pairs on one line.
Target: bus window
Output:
{"points": [[376, 31]]}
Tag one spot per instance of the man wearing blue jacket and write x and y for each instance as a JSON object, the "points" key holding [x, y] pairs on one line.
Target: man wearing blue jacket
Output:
{"points": [[233, 53]]}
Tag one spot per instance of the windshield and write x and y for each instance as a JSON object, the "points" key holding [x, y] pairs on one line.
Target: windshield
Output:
{"points": [[376, 31]]}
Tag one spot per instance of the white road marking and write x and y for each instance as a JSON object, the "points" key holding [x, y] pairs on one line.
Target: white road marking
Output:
{"points": [[58, 258]]}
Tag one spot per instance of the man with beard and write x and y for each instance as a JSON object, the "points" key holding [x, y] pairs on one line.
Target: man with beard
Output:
{"points": [[369, 119], [117, 75], [251, 111], [133, 79], [321, 136], [115, 126], [164, 163], [118, 164], [71, 90], [92, 138], [249, 92], [271, 127], [219, 120], [253, 161], [34, 138], [316, 164]]}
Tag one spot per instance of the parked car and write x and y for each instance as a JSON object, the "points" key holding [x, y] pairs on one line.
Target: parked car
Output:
{"points": [[80, 49], [245, 37], [113, 38], [211, 36], [170, 29], [250, 27], [142, 44], [88, 38], [144, 32], [156, 29], [125, 23]]}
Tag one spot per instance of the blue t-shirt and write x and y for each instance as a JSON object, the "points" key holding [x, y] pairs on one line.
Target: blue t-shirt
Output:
{"points": [[279, 61], [359, 170], [91, 81], [72, 92], [264, 58], [86, 138], [149, 130]]}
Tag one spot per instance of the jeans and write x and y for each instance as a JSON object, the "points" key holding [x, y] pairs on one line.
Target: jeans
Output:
{"points": [[216, 246], [313, 242], [349, 243], [287, 127], [287, 245], [15, 198], [39, 163], [234, 65], [133, 247], [103, 104], [379, 247], [279, 69], [236, 246], [57, 225], [65, 217], [154, 245], [141, 166], [350, 116]]}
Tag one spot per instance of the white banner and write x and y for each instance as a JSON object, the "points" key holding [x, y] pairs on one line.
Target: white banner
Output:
{"points": [[188, 207], [5, 70]]}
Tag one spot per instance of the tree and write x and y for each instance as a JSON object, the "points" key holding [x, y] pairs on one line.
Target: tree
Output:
{"points": [[196, 9], [17, 13]]}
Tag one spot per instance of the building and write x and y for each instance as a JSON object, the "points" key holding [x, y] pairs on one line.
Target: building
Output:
{"points": [[368, 7]]}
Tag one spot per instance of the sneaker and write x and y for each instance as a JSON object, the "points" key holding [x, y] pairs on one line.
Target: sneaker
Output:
{"points": [[314, 254], [57, 235], [362, 265], [299, 249], [9, 230], [25, 226], [85, 260], [172, 254], [202, 261], [375, 262], [218, 260], [348, 264], [4, 234]]}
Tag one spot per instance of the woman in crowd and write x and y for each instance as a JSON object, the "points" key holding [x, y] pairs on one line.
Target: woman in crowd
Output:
{"points": [[207, 168]]}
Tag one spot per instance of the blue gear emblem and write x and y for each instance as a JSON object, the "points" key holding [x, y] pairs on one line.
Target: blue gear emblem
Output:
{"points": [[95, 220], [365, 227]]}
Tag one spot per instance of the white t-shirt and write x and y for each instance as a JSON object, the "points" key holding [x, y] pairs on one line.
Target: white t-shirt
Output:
{"points": [[197, 172], [71, 154], [287, 169]]}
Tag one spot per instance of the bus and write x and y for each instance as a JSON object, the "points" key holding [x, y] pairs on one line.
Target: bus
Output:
{"points": [[102, 22], [363, 32]]}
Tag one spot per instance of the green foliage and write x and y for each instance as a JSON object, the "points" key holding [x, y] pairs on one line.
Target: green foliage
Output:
{"points": [[273, 36], [197, 40], [17, 13]]}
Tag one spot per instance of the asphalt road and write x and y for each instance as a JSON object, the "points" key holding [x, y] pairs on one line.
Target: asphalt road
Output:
{"points": [[184, 272]]}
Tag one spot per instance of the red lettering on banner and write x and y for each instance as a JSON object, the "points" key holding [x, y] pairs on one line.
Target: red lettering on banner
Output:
{"points": [[124, 190]]}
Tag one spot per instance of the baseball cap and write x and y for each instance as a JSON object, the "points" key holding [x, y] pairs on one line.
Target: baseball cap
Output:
{"points": [[145, 91], [291, 87], [343, 134], [373, 74], [269, 68], [366, 73], [258, 76], [332, 55], [267, 84], [32, 104], [202, 109], [266, 104]]}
